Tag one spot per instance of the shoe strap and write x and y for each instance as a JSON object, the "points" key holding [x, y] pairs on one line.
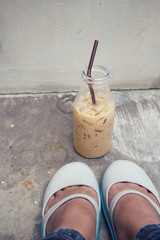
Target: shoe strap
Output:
{"points": [[125, 192], [58, 204]]}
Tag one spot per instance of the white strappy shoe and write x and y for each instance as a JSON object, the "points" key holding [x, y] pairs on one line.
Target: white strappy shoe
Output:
{"points": [[124, 171], [71, 174]]}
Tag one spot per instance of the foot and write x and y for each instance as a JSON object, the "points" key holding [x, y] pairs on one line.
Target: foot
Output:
{"points": [[132, 211], [77, 214]]}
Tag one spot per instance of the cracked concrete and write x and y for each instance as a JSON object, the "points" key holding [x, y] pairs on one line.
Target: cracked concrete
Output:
{"points": [[36, 139]]}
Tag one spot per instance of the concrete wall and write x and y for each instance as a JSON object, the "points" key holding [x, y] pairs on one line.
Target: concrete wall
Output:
{"points": [[44, 44]]}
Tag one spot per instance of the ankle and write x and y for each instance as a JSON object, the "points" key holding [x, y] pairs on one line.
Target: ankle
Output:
{"points": [[131, 214], [78, 214]]}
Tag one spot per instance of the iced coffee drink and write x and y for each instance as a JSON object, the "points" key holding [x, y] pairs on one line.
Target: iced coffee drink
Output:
{"points": [[93, 125]]}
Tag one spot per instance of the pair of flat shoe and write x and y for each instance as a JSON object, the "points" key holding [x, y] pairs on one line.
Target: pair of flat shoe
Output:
{"points": [[78, 173]]}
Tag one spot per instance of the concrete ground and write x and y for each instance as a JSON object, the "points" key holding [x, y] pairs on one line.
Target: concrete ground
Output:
{"points": [[36, 139]]}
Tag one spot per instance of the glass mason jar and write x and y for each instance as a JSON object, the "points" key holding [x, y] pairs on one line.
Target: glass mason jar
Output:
{"points": [[93, 114]]}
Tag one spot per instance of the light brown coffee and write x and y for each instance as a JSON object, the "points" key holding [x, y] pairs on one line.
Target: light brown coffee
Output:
{"points": [[93, 126]]}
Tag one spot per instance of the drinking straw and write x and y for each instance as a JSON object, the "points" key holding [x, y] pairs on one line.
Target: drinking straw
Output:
{"points": [[90, 69]]}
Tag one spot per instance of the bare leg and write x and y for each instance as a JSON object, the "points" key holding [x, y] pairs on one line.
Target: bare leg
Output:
{"points": [[77, 214], [132, 211]]}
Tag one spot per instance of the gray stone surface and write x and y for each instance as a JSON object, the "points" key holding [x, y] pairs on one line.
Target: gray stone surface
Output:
{"points": [[36, 139]]}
